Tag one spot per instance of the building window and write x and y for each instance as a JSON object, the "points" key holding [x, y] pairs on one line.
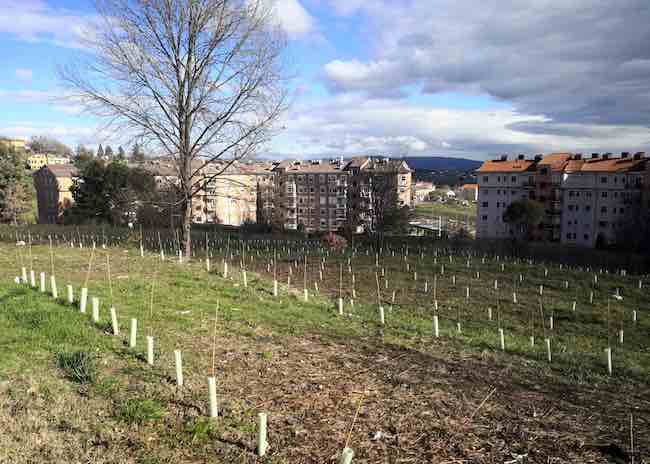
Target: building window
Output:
{"points": [[485, 178], [586, 236], [603, 209], [484, 204], [603, 194], [513, 179], [485, 218], [603, 180]]}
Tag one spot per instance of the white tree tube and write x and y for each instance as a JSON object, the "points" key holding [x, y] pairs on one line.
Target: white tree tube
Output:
{"points": [[84, 300], [436, 328], [70, 294], [133, 336], [608, 355], [212, 396], [262, 442], [346, 456], [179, 368], [150, 355], [502, 339], [32, 278], [548, 349], [341, 306], [382, 321], [275, 287], [114, 324], [95, 309], [53, 289], [42, 282], [24, 274]]}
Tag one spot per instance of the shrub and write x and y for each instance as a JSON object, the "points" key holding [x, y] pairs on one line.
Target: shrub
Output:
{"points": [[334, 242], [78, 366], [135, 411]]}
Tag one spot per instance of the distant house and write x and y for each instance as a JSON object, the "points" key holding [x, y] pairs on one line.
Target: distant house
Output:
{"points": [[16, 144], [38, 160], [450, 194], [423, 191], [52, 184], [468, 192]]}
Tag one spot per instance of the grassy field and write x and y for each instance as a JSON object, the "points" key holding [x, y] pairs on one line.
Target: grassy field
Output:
{"points": [[393, 392], [454, 210]]}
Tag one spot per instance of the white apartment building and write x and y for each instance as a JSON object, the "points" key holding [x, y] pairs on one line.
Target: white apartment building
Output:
{"points": [[500, 183], [598, 197], [592, 199]]}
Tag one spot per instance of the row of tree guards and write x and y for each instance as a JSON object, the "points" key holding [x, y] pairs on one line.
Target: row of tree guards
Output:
{"points": [[266, 256]]}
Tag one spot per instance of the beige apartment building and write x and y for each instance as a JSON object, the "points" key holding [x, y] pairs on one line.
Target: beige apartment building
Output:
{"points": [[52, 184], [311, 195], [377, 183], [228, 194], [36, 161], [16, 144]]}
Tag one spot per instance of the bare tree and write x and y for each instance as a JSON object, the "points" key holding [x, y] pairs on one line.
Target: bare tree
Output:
{"points": [[196, 80]]}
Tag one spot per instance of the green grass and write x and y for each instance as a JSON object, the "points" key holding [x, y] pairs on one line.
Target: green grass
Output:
{"points": [[139, 411], [78, 366], [449, 209], [39, 333]]}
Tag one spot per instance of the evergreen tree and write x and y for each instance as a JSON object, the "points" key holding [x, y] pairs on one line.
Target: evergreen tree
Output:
{"points": [[100, 152], [16, 188], [137, 155], [108, 152], [82, 156], [121, 156]]}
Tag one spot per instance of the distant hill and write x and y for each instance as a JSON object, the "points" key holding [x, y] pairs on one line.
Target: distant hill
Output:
{"points": [[441, 163]]}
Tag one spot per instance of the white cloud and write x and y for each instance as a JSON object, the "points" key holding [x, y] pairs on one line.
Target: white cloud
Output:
{"points": [[349, 124], [568, 60], [292, 17], [36, 21], [27, 96], [24, 75]]}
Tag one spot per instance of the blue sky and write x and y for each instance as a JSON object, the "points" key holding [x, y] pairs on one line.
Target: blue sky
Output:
{"points": [[412, 77]]}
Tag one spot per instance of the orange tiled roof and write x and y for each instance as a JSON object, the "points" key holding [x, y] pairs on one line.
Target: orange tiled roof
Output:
{"points": [[506, 166], [611, 164], [469, 186], [556, 161]]}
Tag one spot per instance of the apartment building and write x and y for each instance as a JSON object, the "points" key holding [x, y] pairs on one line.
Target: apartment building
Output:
{"points": [[36, 161], [500, 183], [548, 177], [587, 202], [53, 194], [13, 143], [311, 195], [377, 183], [599, 195], [239, 193], [227, 193]]}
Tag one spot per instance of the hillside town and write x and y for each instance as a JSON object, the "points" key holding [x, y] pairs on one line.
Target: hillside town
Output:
{"points": [[588, 201]]}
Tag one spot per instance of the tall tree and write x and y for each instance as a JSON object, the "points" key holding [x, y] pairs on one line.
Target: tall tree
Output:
{"points": [[523, 216], [121, 156], [108, 152], [100, 152], [197, 80], [137, 155], [110, 193], [16, 188], [44, 144]]}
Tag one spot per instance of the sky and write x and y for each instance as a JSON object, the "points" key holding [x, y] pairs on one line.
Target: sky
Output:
{"points": [[460, 78]]}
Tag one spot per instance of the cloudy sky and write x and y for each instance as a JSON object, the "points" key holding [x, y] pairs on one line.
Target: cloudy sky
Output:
{"points": [[470, 78]]}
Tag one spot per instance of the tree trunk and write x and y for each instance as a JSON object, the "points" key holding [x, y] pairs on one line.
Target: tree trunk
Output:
{"points": [[187, 227]]}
